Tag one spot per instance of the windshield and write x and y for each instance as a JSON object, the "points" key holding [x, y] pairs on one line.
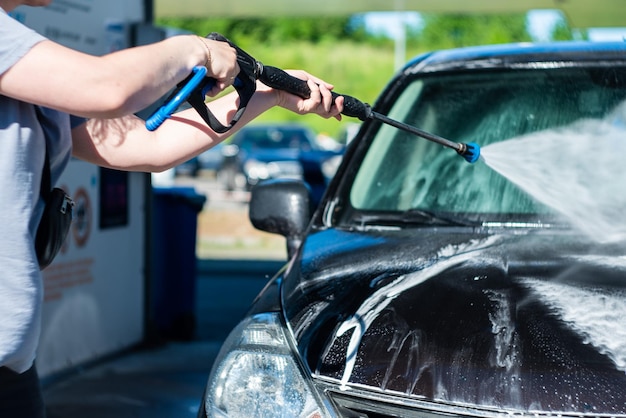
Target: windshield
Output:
{"points": [[403, 173]]}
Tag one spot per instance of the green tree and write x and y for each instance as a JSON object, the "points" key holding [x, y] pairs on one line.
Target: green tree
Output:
{"points": [[275, 30], [456, 30], [562, 32]]}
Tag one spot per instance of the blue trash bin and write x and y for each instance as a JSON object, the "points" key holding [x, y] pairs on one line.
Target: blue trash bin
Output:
{"points": [[173, 284]]}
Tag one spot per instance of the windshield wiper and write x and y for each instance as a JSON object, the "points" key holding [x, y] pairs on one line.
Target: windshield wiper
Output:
{"points": [[412, 217]]}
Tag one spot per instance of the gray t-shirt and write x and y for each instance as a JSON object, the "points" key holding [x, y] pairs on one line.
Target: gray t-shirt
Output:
{"points": [[23, 136]]}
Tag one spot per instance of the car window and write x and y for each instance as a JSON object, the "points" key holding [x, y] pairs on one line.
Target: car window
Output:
{"points": [[402, 172]]}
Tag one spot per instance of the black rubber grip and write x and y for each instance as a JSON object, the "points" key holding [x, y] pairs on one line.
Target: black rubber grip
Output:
{"points": [[279, 79]]}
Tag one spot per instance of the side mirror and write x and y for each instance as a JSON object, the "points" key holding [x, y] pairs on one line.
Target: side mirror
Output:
{"points": [[281, 206]]}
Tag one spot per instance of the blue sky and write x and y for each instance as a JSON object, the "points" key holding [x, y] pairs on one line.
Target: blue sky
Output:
{"points": [[540, 24], [388, 22]]}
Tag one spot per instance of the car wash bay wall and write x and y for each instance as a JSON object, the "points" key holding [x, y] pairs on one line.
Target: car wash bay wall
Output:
{"points": [[94, 291]]}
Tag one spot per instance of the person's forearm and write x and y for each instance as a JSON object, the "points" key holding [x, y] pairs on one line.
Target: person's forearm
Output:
{"points": [[125, 143], [186, 134], [135, 78]]}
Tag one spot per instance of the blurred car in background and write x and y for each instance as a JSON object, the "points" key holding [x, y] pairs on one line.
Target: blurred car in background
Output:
{"points": [[209, 161], [348, 132], [270, 151], [189, 168]]}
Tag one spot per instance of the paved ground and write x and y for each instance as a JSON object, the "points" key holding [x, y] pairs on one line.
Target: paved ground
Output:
{"points": [[167, 380]]}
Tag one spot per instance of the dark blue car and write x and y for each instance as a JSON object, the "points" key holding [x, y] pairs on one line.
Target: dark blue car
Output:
{"points": [[270, 151], [426, 286]]}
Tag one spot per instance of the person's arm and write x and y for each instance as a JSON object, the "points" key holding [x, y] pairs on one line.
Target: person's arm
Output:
{"points": [[125, 144], [109, 89], [115, 84]]}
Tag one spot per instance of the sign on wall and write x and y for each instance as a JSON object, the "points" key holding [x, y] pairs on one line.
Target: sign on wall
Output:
{"points": [[95, 27]]}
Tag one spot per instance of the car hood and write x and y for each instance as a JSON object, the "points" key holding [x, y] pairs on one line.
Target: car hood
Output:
{"points": [[522, 322]]}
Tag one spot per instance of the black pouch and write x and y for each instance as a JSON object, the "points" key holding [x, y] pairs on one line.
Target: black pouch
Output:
{"points": [[56, 219], [53, 227]]}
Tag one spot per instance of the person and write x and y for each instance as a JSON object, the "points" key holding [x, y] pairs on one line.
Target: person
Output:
{"points": [[75, 104]]}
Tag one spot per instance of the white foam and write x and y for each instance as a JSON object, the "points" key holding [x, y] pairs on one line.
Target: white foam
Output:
{"points": [[578, 170], [598, 316]]}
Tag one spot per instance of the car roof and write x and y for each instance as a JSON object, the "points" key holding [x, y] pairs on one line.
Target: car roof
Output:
{"points": [[511, 55]]}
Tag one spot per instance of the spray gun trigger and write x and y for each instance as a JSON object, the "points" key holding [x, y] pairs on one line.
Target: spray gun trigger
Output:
{"points": [[210, 83]]}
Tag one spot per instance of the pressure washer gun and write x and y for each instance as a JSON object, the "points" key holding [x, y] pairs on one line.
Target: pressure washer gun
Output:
{"points": [[194, 89]]}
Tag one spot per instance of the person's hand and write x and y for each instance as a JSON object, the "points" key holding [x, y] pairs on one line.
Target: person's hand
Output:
{"points": [[320, 101], [221, 64]]}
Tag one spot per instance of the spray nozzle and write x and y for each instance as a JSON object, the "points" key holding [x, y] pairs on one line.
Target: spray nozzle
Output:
{"points": [[469, 151]]}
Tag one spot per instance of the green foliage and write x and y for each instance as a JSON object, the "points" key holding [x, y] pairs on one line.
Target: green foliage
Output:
{"points": [[273, 30], [455, 30], [562, 32]]}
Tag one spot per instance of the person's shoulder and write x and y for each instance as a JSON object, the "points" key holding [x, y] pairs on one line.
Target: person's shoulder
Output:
{"points": [[10, 25], [16, 40]]}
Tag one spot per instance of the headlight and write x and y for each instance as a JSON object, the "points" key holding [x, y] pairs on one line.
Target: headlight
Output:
{"points": [[256, 169], [259, 170], [257, 375]]}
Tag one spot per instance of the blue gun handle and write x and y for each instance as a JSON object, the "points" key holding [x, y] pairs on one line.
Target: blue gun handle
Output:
{"points": [[165, 111]]}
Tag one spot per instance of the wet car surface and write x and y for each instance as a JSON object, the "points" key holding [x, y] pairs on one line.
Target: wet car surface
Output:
{"points": [[427, 286], [479, 323]]}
